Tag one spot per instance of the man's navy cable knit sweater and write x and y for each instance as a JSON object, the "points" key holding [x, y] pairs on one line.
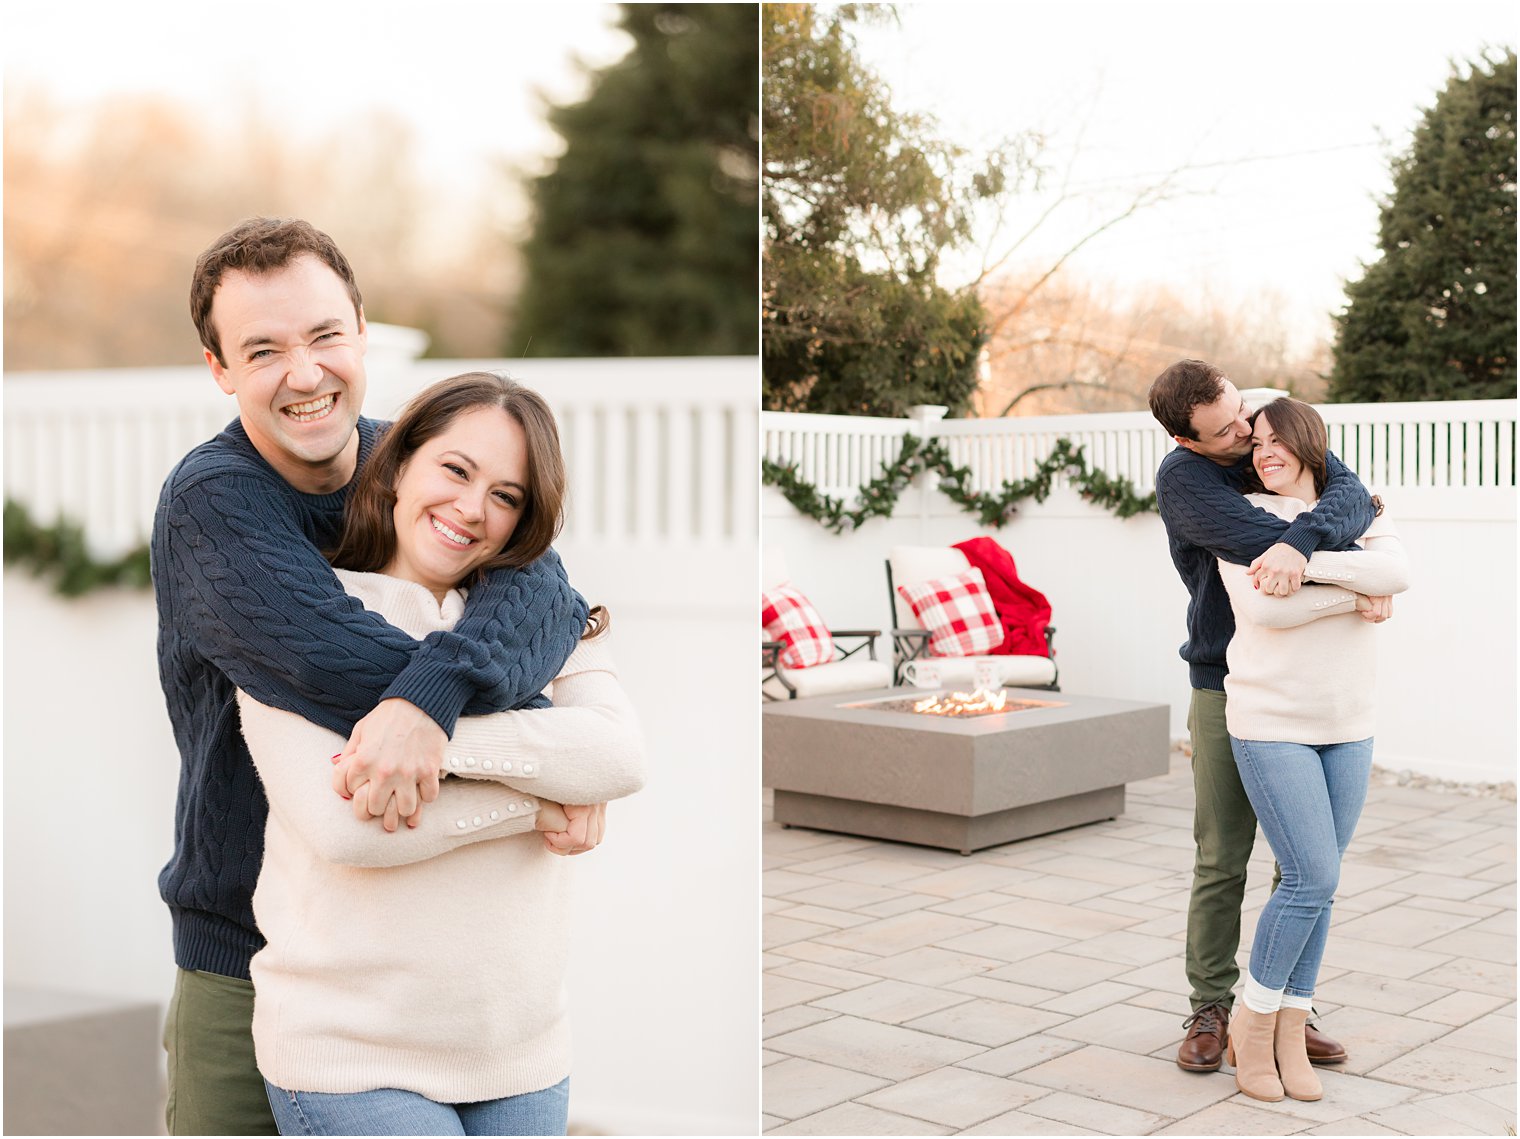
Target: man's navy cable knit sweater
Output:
{"points": [[1208, 518], [245, 600]]}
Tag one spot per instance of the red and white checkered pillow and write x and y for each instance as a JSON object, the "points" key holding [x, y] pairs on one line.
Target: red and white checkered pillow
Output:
{"points": [[790, 618], [958, 613]]}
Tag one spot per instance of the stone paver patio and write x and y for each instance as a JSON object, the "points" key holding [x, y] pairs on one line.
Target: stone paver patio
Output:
{"points": [[1037, 988]]}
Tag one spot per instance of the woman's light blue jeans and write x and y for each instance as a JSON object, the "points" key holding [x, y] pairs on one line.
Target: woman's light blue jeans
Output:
{"points": [[1308, 801], [389, 1111]]}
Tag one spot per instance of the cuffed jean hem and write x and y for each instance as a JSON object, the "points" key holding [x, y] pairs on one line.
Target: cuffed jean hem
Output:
{"points": [[1258, 998]]}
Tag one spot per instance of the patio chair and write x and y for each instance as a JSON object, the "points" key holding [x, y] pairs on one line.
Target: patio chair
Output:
{"points": [[847, 672], [910, 565]]}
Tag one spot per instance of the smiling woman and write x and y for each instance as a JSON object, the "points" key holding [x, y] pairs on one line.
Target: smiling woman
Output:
{"points": [[1300, 713], [468, 479], [459, 511]]}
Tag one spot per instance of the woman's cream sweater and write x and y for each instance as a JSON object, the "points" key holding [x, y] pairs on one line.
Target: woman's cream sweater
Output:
{"points": [[429, 959], [1303, 669]]}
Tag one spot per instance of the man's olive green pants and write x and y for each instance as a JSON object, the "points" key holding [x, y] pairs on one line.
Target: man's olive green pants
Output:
{"points": [[1224, 831], [214, 1085]]}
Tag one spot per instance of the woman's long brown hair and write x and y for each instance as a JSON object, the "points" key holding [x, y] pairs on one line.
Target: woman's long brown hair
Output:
{"points": [[368, 543], [1302, 433]]}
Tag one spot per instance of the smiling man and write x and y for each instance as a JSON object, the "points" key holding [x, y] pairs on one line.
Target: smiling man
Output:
{"points": [[1198, 491], [298, 375], [246, 600]]}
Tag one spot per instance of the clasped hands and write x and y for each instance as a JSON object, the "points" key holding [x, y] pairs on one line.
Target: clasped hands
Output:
{"points": [[389, 769], [1279, 572]]}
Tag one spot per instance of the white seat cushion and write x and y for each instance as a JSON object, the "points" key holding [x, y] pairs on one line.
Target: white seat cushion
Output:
{"points": [[960, 672], [842, 676]]}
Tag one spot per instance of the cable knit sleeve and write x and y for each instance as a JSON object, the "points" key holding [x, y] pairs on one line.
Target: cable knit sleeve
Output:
{"points": [[1204, 508], [585, 749], [258, 601], [518, 629], [1379, 570], [290, 754], [1342, 515]]}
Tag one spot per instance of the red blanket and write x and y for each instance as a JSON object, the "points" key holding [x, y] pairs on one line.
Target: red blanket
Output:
{"points": [[1023, 611]]}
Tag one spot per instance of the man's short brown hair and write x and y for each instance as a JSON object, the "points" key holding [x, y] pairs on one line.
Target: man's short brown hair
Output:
{"points": [[1185, 385], [258, 246]]}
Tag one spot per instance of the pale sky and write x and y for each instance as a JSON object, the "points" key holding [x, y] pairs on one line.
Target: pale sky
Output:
{"points": [[465, 73], [1290, 111]]}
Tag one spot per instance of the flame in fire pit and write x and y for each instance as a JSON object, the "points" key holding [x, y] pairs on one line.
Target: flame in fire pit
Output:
{"points": [[982, 702]]}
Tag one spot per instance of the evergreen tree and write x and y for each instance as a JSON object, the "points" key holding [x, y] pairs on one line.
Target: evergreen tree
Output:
{"points": [[859, 202], [1434, 317], [644, 236]]}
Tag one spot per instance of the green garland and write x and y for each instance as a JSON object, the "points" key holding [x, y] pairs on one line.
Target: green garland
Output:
{"points": [[59, 552], [878, 498]]}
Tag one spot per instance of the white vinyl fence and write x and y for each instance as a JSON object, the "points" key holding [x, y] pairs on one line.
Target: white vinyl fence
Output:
{"points": [[660, 456], [1467, 444], [1447, 677]]}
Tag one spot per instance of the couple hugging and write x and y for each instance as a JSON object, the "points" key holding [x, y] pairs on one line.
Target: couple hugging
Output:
{"points": [[1289, 564], [381, 685]]}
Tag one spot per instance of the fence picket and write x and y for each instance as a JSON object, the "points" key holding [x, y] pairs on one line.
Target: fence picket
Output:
{"points": [[1504, 467]]}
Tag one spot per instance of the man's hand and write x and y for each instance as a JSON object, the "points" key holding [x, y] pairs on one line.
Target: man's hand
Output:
{"points": [[390, 764], [586, 828], [1280, 571], [1374, 610]]}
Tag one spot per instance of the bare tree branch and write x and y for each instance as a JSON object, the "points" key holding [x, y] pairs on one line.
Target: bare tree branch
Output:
{"points": [[1062, 385]]}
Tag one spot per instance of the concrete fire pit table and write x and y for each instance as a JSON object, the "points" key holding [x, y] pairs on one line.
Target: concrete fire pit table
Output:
{"points": [[846, 763]]}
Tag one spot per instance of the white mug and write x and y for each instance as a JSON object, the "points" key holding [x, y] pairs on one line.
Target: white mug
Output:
{"points": [[922, 673], [989, 675]]}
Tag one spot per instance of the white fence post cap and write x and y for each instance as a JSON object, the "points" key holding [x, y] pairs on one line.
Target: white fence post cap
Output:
{"points": [[1255, 397], [397, 342]]}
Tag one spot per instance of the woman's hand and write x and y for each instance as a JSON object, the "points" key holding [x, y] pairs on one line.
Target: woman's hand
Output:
{"points": [[551, 817], [584, 830], [1374, 610]]}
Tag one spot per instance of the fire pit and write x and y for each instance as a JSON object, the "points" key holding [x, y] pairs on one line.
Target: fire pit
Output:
{"points": [[978, 703], [870, 764]]}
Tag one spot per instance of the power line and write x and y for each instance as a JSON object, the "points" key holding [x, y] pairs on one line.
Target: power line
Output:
{"points": [[1224, 164]]}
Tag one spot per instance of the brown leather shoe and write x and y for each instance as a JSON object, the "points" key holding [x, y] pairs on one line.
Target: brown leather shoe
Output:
{"points": [[1321, 1049], [1203, 1048]]}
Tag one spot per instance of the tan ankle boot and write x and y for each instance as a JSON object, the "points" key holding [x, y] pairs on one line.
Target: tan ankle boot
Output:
{"points": [[1293, 1067], [1251, 1052]]}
